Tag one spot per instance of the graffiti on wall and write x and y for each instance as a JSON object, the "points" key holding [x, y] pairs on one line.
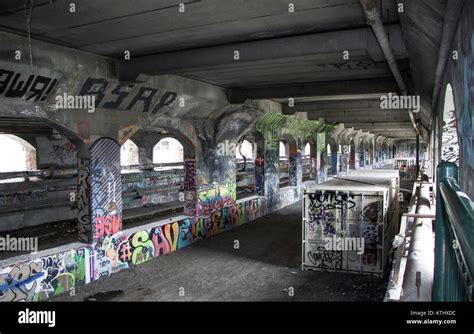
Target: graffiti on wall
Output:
{"points": [[83, 199], [343, 167], [289, 196], [33, 87], [106, 188], [55, 274], [259, 175], [215, 196], [120, 251], [46, 276], [292, 171], [321, 258], [272, 179], [330, 214], [189, 186], [60, 151], [107, 96]]}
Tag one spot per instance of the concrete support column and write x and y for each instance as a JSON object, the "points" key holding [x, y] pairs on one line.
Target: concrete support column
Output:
{"points": [[272, 179], [99, 195], [334, 162], [295, 168], [145, 155], [260, 167], [217, 187], [344, 160], [313, 156], [189, 186], [361, 156]]}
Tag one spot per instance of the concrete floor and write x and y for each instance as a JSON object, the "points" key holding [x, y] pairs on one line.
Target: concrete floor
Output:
{"points": [[264, 269]]}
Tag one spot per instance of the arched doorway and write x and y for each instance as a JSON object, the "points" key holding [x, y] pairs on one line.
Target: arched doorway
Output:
{"points": [[129, 154], [21, 154], [449, 140]]}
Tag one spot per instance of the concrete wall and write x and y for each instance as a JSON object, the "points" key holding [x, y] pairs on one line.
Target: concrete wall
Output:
{"points": [[55, 271], [459, 73]]}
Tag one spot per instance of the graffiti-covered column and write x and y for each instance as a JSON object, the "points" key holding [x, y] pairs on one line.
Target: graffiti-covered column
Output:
{"points": [[99, 199], [344, 160], [322, 157], [190, 194], [272, 178], [295, 171], [313, 156], [260, 166]]}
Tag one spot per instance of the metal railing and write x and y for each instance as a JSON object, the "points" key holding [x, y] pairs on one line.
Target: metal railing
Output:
{"points": [[454, 251]]}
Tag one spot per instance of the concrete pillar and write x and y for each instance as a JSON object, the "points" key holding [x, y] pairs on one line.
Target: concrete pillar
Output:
{"points": [[361, 155], [344, 160], [99, 196], [189, 186], [295, 168], [217, 186], [272, 179], [145, 154], [260, 167]]}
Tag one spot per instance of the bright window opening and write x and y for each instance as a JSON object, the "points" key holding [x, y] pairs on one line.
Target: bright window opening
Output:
{"points": [[168, 150], [282, 150], [129, 154], [246, 149], [17, 154]]}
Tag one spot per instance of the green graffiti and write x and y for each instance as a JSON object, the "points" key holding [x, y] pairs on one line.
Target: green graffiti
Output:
{"points": [[274, 125]]}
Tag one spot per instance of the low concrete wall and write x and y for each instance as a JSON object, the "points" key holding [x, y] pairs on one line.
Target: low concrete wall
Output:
{"points": [[36, 277]]}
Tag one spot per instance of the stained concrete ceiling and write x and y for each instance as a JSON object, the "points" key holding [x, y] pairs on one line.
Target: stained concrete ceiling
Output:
{"points": [[282, 54]]}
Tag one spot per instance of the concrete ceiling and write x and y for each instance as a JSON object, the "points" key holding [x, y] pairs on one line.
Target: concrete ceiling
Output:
{"points": [[282, 55], [109, 27]]}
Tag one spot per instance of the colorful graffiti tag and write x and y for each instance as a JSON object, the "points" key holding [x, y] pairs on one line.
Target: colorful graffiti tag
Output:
{"points": [[214, 197], [259, 175], [83, 201], [39, 279], [189, 186], [106, 188]]}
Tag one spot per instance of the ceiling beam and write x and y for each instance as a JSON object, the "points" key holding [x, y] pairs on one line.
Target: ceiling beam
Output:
{"points": [[375, 125], [348, 105], [332, 44], [332, 88], [359, 119]]}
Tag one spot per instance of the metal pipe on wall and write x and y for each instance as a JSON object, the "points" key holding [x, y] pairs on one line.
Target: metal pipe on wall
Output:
{"points": [[373, 19], [418, 280]]}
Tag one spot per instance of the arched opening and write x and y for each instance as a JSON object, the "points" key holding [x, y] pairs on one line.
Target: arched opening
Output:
{"points": [[449, 140], [289, 154], [168, 150], [282, 150], [282, 164], [307, 149], [244, 151], [245, 164], [165, 181], [38, 180], [17, 154], [129, 154], [308, 162]]}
